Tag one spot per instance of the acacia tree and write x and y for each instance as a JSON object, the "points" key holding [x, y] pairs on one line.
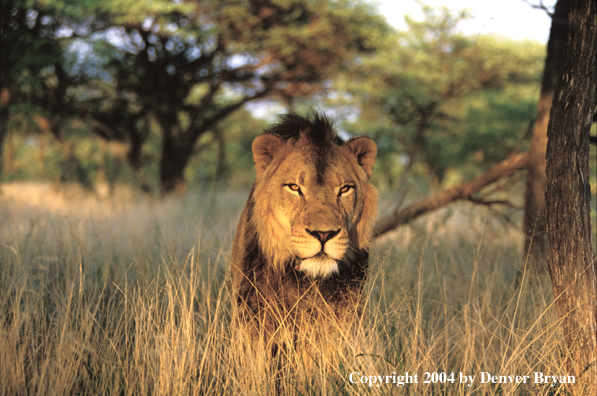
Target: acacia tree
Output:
{"points": [[181, 69], [572, 265]]}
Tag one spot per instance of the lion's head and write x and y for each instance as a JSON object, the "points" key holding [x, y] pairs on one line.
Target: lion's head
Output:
{"points": [[312, 199]]}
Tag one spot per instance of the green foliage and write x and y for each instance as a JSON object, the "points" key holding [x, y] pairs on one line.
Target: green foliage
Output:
{"points": [[436, 97]]}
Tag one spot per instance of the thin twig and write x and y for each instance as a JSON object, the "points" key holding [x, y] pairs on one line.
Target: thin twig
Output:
{"points": [[541, 6]]}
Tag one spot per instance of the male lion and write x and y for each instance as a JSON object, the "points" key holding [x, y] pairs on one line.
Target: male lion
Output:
{"points": [[300, 255]]}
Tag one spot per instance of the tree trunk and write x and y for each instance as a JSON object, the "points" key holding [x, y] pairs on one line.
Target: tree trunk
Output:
{"points": [[221, 173], [175, 156], [4, 100], [571, 258], [534, 219], [9, 154]]}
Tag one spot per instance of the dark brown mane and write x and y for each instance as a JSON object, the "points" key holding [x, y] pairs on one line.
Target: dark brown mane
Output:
{"points": [[271, 295], [319, 129]]}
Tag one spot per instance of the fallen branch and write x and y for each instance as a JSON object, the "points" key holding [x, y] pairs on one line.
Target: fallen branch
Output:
{"points": [[460, 192]]}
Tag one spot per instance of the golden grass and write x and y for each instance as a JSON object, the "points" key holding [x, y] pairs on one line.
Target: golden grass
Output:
{"points": [[128, 296]]}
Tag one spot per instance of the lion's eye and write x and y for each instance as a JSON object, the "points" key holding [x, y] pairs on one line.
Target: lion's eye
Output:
{"points": [[345, 190], [293, 188]]}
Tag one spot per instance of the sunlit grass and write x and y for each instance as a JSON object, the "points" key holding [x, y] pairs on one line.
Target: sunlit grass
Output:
{"points": [[128, 295]]}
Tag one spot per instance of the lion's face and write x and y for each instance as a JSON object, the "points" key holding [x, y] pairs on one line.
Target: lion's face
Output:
{"points": [[313, 204]]}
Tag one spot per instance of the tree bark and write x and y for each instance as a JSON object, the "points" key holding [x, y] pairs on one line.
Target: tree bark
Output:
{"points": [[571, 257], [4, 100], [462, 191], [535, 249], [175, 157]]}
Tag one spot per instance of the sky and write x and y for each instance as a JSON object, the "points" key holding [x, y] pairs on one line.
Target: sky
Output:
{"points": [[516, 19]]}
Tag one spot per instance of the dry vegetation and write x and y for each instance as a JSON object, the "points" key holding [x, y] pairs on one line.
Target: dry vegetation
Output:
{"points": [[128, 296]]}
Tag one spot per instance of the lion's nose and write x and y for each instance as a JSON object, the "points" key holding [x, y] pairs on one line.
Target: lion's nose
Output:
{"points": [[323, 236]]}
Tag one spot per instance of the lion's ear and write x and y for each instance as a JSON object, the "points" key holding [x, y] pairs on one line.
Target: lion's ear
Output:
{"points": [[365, 150], [264, 148]]}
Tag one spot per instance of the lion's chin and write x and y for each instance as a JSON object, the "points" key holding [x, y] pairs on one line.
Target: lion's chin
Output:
{"points": [[320, 266]]}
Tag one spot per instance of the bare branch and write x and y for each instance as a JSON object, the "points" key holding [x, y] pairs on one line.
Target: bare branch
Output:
{"points": [[540, 6], [462, 191], [493, 202], [196, 129]]}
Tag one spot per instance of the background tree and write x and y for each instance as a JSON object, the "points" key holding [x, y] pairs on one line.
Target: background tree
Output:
{"points": [[28, 49], [535, 249], [34, 83], [181, 69], [572, 265]]}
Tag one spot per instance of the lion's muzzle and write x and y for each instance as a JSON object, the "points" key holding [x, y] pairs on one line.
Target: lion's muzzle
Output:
{"points": [[323, 236]]}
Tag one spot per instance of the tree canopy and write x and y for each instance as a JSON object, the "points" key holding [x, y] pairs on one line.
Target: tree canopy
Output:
{"points": [[164, 81], [179, 68]]}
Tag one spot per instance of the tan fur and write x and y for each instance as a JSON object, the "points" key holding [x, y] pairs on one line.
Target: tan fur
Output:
{"points": [[296, 250]]}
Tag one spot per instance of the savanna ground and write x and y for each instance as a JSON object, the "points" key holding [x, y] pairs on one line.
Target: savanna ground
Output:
{"points": [[127, 295]]}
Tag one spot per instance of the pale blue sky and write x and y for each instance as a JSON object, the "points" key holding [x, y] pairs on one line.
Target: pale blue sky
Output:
{"points": [[512, 18]]}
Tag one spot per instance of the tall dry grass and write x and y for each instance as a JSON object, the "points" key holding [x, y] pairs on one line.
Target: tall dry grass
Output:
{"points": [[128, 296]]}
